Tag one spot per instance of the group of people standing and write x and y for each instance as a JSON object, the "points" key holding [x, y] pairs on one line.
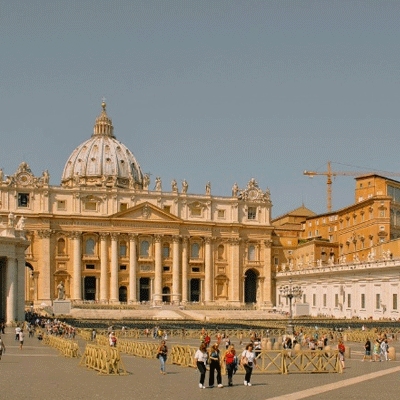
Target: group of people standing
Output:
{"points": [[380, 349], [214, 358]]}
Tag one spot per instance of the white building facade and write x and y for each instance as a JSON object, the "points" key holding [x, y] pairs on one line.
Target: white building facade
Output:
{"points": [[364, 290]]}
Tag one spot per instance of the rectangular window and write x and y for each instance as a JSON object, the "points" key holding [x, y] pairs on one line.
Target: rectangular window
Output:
{"points": [[378, 301], [309, 234], [123, 206], [165, 268], [304, 298], [90, 206], [251, 213], [363, 301], [90, 266], [324, 299], [276, 260], [122, 250], [61, 205], [348, 300], [166, 251], [122, 267], [336, 300], [168, 209], [221, 213], [394, 301], [23, 200], [316, 232], [314, 299], [195, 269]]}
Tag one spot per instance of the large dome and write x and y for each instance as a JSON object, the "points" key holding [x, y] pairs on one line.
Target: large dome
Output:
{"points": [[102, 160]]}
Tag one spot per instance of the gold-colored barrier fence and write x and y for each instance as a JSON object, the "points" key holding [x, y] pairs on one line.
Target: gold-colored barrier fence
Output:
{"points": [[104, 359], [66, 347]]}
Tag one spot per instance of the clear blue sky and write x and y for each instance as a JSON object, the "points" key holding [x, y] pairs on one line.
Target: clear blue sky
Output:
{"points": [[207, 90]]}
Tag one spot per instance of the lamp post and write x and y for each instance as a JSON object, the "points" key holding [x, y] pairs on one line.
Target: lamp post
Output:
{"points": [[290, 292]]}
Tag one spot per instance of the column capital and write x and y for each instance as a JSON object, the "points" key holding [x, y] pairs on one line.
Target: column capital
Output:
{"points": [[208, 239], [268, 243], [133, 237], [104, 235], [158, 238], [235, 241], [185, 239], [114, 235], [76, 235], [176, 238], [44, 233]]}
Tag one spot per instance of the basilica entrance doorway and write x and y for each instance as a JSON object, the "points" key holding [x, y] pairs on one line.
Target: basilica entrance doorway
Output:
{"points": [[166, 298], [250, 287], [144, 289], [90, 288], [195, 290], [123, 294]]}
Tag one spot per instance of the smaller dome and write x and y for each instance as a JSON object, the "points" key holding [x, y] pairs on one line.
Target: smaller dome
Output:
{"points": [[102, 160]]}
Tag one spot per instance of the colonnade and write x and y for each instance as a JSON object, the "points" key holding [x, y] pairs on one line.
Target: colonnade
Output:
{"points": [[108, 278]]}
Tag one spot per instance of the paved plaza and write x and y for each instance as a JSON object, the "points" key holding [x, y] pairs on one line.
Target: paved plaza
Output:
{"points": [[38, 372]]}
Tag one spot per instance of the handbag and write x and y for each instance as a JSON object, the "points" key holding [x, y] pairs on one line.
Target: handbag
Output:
{"points": [[244, 360]]}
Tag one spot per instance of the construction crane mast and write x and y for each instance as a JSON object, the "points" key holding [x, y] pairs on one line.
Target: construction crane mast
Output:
{"points": [[329, 174]]}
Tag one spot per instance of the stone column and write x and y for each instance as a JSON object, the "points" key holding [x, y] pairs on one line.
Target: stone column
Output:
{"points": [[11, 290], [45, 276], [114, 268], [185, 267], [176, 294], [267, 297], [103, 267], [77, 271], [21, 284], [235, 271], [133, 264], [208, 275], [157, 294], [97, 294]]}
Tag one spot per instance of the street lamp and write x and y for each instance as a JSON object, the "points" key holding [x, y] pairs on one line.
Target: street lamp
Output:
{"points": [[290, 292]]}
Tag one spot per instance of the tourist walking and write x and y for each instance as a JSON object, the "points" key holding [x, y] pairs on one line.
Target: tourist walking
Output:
{"points": [[231, 363], [200, 359], [377, 350], [2, 347], [248, 361], [162, 356], [113, 339], [384, 350], [341, 349], [367, 347], [21, 339], [215, 365]]}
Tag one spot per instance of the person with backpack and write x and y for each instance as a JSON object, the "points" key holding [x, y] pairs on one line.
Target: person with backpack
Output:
{"points": [[231, 363], [2, 347], [341, 349]]}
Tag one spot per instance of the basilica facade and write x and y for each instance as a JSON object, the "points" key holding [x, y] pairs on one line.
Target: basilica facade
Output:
{"points": [[110, 235]]}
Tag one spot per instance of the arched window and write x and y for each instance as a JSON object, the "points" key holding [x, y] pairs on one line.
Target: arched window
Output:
{"points": [[144, 248], [89, 248], [221, 252], [122, 249], [61, 247], [195, 250], [252, 253]]}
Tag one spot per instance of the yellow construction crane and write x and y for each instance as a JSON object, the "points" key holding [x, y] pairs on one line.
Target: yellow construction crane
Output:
{"points": [[329, 174]]}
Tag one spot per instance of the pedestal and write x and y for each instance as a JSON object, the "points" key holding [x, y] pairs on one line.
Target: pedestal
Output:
{"points": [[62, 307]]}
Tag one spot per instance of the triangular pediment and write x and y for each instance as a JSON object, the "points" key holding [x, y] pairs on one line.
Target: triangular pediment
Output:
{"points": [[146, 212]]}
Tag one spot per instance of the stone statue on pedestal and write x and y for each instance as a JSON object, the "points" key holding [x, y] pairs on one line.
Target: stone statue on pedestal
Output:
{"points": [[61, 291], [185, 186]]}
